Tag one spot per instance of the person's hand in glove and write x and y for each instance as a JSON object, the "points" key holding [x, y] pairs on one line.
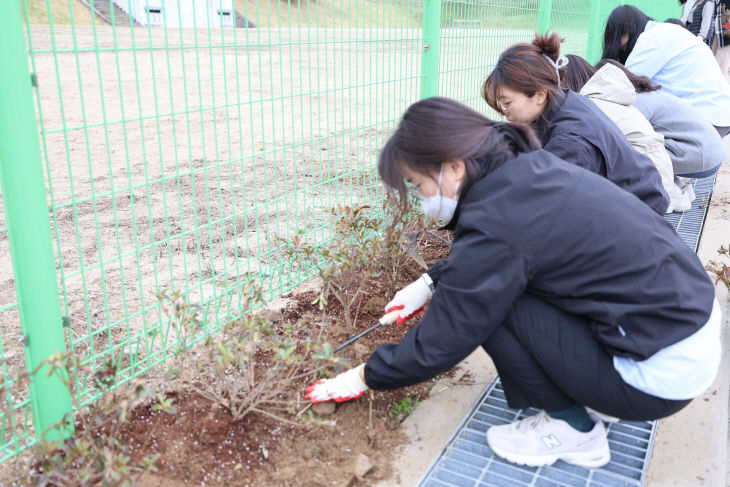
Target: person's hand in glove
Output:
{"points": [[411, 299], [346, 386]]}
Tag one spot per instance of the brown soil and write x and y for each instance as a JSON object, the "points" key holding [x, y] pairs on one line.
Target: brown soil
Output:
{"points": [[201, 444]]}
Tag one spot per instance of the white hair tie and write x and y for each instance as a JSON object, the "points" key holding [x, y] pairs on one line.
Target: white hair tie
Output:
{"points": [[561, 62]]}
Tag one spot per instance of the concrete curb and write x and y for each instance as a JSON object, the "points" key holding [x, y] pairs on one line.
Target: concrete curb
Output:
{"points": [[691, 447], [432, 424]]}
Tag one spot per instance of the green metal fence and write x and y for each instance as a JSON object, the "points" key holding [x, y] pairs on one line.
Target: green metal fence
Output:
{"points": [[166, 159]]}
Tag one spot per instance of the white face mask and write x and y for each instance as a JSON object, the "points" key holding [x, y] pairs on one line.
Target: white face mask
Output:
{"points": [[439, 206]]}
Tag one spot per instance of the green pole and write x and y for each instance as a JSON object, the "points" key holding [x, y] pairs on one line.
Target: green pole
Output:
{"points": [[430, 56], [29, 232], [594, 50], [544, 10]]}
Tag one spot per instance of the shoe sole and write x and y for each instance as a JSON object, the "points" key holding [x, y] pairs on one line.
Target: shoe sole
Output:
{"points": [[585, 459]]}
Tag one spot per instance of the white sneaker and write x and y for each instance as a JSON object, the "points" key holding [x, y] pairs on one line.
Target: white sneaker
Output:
{"points": [[597, 416], [541, 440]]}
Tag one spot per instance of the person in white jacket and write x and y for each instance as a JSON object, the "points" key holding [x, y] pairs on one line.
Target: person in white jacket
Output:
{"points": [[672, 57], [613, 93]]}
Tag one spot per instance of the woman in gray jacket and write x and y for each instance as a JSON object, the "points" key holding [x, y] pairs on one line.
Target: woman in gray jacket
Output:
{"points": [[693, 144], [613, 93]]}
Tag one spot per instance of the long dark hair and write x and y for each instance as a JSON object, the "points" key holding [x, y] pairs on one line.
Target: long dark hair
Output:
{"points": [[577, 72], [438, 130], [625, 19], [523, 67], [642, 84]]}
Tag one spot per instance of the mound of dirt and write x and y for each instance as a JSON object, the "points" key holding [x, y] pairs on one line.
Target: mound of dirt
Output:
{"points": [[201, 444]]}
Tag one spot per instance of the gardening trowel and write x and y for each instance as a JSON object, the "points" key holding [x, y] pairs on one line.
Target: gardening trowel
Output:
{"points": [[410, 246], [386, 319]]}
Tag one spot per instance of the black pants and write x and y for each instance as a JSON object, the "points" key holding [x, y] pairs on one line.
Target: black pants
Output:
{"points": [[548, 359]]}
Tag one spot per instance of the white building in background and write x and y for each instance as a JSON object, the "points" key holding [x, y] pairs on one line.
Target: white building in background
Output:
{"points": [[181, 13]]}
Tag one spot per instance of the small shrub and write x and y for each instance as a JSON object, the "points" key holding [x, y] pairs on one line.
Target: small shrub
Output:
{"points": [[364, 247], [401, 228], [94, 454], [13, 386], [720, 268], [347, 263], [249, 365]]}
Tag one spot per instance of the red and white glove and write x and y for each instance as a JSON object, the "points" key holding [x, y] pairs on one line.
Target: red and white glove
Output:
{"points": [[346, 386], [411, 299]]}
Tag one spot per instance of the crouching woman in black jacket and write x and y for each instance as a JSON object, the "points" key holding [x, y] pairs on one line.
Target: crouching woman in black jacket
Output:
{"points": [[581, 294]]}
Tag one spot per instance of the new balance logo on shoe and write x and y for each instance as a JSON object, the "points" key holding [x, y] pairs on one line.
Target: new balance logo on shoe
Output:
{"points": [[550, 441], [541, 440]]}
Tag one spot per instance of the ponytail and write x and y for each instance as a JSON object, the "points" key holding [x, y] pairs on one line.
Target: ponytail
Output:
{"points": [[548, 45]]}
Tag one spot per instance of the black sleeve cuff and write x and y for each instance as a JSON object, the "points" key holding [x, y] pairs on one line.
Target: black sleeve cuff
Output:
{"points": [[435, 272]]}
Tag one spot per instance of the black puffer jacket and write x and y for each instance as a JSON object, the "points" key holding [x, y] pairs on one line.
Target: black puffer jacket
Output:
{"points": [[540, 225], [577, 131]]}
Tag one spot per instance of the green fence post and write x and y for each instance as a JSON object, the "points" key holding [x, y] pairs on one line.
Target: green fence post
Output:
{"points": [[29, 232], [431, 41], [544, 11], [596, 25]]}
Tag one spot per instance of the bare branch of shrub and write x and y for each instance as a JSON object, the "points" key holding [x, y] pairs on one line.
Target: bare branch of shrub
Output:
{"points": [[94, 454], [249, 365]]}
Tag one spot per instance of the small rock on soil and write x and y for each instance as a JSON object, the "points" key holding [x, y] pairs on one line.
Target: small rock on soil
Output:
{"points": [[324, 408], [362, 466]]}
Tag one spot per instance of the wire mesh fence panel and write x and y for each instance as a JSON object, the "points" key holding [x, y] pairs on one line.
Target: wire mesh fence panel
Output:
{"points": [[15, 416], [475, 33], [176, 157], [182, 140], [600, 11]]}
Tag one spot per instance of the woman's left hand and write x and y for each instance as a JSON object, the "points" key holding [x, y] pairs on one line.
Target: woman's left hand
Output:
{"points": [[344, 387]]}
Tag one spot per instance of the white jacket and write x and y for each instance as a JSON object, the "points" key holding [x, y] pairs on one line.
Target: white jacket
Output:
{"points": [[685, 67], [614, 94]]}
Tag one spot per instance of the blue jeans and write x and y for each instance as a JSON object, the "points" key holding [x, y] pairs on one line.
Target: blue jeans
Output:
{"points": [[701, 174]]}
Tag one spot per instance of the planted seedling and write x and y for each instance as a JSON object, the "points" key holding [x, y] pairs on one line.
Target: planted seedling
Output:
{"points": [[365, 246], [401, 228], [403, 408], [94, 454], [347, 263], [249, 365], [720, 268]]}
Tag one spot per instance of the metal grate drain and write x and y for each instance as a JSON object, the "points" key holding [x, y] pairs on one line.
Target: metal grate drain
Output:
{"points": [[467, 460], [689, 223]]}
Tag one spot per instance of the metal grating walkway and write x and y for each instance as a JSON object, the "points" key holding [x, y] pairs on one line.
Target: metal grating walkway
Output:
{"points": [[468, 461], [689, 224]]}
